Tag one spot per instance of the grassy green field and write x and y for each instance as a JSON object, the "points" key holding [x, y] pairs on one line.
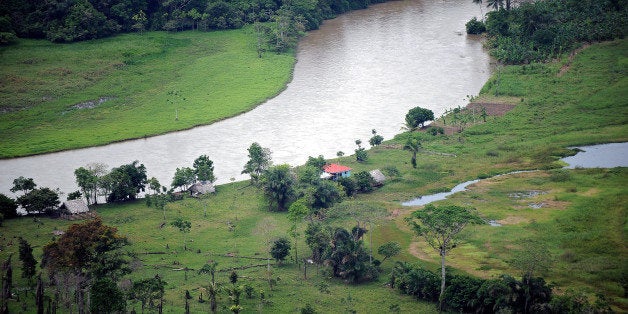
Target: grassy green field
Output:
{"points": [[138, 84], [580, 219]]}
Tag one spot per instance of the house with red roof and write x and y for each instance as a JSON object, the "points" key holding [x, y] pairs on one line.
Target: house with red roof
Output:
{"points": [[335, 171]]}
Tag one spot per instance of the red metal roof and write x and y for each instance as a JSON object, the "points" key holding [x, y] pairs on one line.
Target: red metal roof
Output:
{"points": [[335, 168]]}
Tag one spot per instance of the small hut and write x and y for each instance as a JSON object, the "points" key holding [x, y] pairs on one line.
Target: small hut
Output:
{"points": [[378, 176], [74, 207], [200, 188]]}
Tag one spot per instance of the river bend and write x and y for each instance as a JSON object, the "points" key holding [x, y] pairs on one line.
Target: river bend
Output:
{"points": [[361, 71]]}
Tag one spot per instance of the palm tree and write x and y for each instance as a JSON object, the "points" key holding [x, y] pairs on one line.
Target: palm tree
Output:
{"points": [[495, 4], [414, 146], [212, 288]]}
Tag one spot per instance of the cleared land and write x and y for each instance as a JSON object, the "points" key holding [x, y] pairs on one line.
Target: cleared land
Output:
{"points": [[58, 97], [582, 219]]}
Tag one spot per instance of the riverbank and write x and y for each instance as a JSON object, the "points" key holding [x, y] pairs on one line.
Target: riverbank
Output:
{"points": [[576, 217], [61, 97]]}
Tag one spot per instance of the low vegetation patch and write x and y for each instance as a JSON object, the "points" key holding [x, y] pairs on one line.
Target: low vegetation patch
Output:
{"points": [[131, 86]]}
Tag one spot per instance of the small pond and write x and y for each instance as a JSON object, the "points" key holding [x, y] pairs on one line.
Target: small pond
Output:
{"points": [[596, 156], [599, 156]]}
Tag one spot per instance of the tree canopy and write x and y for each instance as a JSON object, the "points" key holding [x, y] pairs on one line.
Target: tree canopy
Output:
{"points": [[280, 249], [8, 207], [67, 21], [204, 169], [440, 227], [417, 117], [40, 201], [278, 186], [259, 161], [126, 181]]}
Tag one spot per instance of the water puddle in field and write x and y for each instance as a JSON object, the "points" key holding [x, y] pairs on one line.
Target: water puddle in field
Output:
{"points": [[596, 156], [599, 156]]}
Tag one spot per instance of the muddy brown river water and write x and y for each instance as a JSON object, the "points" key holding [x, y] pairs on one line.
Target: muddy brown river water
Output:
{"points": [[361, 71]]}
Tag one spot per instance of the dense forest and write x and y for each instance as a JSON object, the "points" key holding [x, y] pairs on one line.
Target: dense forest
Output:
{"points": [[540, 30], [75, 20]]}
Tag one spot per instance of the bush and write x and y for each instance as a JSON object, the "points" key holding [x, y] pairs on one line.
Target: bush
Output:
{"points": [[349, 185], [391, 171], [364, 181], [376, 140], [560, 175], [361, 155], [475, 27], [437, 130]]}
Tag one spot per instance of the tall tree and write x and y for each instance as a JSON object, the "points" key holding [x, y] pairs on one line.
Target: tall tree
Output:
{"points": [[361, 155], [318, 236], [348, 258], [8, 207], [27, 259], [184, 227], [23, 184], [280, 249], [106, 297], [440, 227], [183, 178], [296, 214], [389, 249], [417, 116], [278, 186], [88, 182], [87, 252], [148, 290], [127, 181], [209, 268], [204, 169], [154, 185], [414, 146], [43, 200], [259, 161], [7, 285]]}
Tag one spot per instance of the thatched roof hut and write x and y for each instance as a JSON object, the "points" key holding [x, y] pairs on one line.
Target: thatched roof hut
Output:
{"points": [[200, 188], [74, 207], [378, 176]]}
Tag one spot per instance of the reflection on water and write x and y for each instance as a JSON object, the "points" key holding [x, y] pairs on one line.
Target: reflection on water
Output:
{"points": [[361, 71]]}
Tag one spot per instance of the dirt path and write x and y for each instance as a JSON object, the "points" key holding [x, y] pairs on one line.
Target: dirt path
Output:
{"points": [[572, 55]]}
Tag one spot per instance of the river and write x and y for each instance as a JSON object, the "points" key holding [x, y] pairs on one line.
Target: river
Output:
{"points": [[361, 71]]}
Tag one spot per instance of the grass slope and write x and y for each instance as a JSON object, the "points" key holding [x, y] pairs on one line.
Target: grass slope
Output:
{"points": [[146, 80], [582, 219]]}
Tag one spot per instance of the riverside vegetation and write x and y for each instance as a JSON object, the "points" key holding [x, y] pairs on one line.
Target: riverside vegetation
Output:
{"points": [[579, 228]]}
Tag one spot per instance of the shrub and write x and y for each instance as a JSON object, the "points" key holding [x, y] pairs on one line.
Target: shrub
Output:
{"points": [[364, 181], [376, 140], [361, 155], [391, 171], [560, 175], [349, 185], [475, 27]]}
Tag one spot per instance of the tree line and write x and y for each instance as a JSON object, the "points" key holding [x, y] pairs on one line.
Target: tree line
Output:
{"points": [[76, 20], [537, 31], [281, 184]]}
